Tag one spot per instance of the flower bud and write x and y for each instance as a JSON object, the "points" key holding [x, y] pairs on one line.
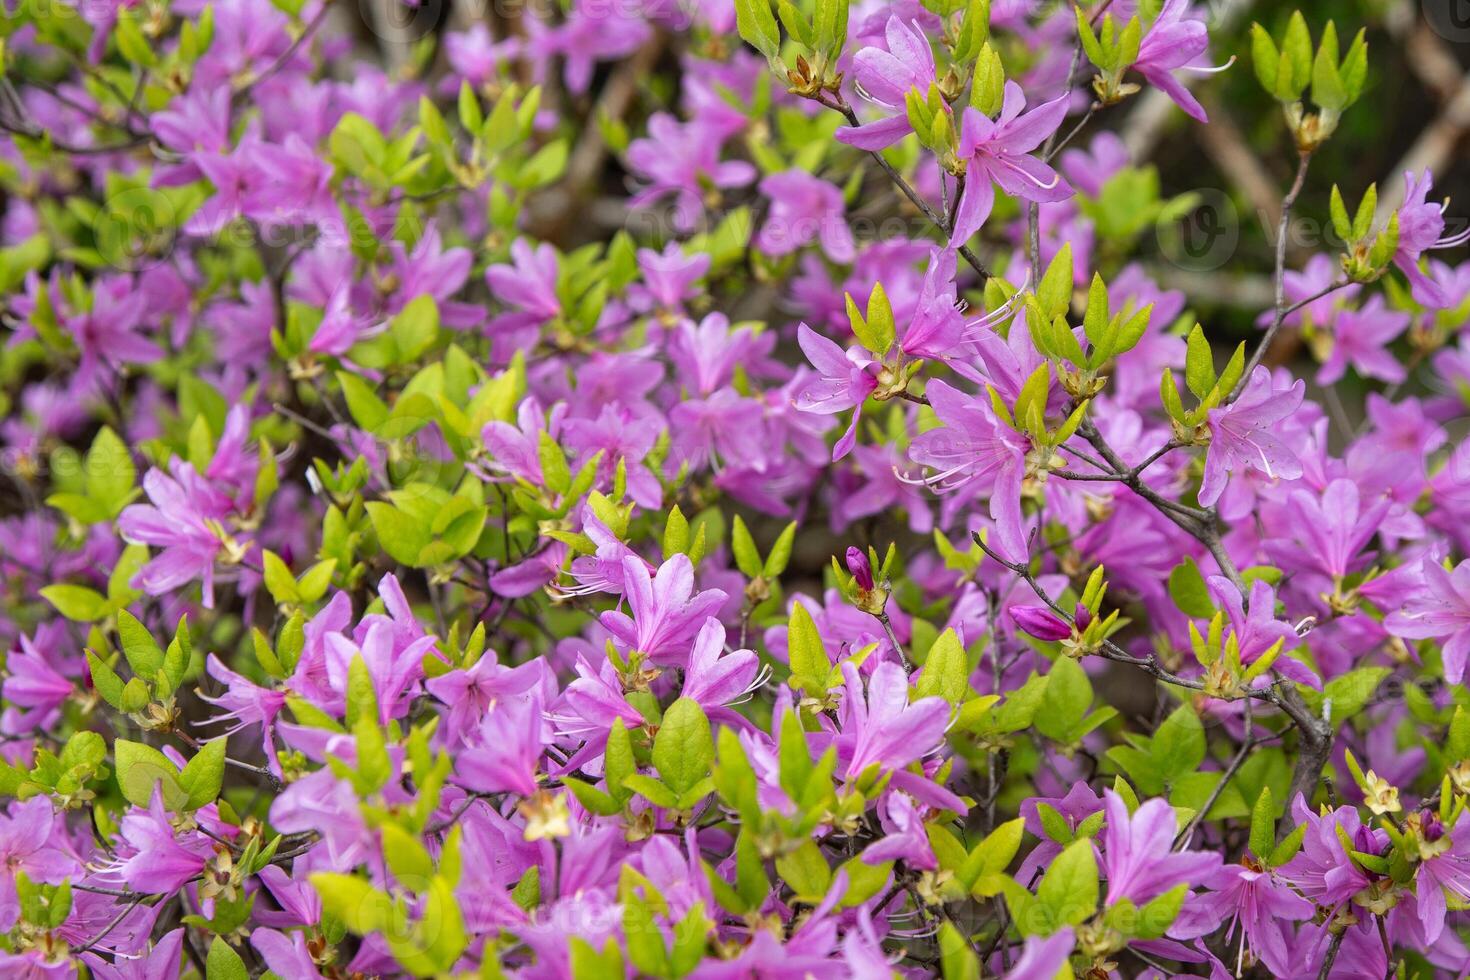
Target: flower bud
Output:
{"points": [[862, 571], [1083, 616], [1040, 622]]}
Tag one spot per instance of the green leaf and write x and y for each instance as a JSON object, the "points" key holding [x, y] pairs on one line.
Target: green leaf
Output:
{"points": [[1169, 396], [676, 533], [224, 963], [1069, 890], [76, 602], [1288, 847], [684, 747], [1199, 363], [1265, 58], [1296, 51], [1179, 744], [353, 901], [1156, 916], [957, 957], [974, 30], [1353, 69], [138, 645], [131, 42], [105, 680], [1067, 698], [1363, 219], [1188, 590], [407, 857], [204, 775], [362, 696], [315, 580], [619, 762], [470, 116], [1263, 824], [134, 696], [780, 553], [367, 409], [946, 670], [1030, 407], [1055, 289], [111, 475], [140, 768], [1338, 210], [415, 329], [987, 92], [1327, 87], [278, 579], [1088, 38], [1095, 321], [880, 327], [1230, 377], [592, 798], [810, 665], [404, 537], [555, 473], [1347, 693], [644, 940], [983, 866], [747, 558], [806, 870]]}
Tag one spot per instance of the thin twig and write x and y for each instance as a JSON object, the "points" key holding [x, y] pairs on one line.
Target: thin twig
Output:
{"points": [[935, 218], [243, 92], [107, 929], [893, 639], [1230, 770], [1331, 957], [1283, 228]]}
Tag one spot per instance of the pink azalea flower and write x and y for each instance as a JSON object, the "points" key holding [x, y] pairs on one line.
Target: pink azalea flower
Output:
{"points": [[504, 753], [1242, 436], [1247, 898], [975, 452], [31, 844], [1361, 338], [1040, 622], [885, 78], [183, 519], [998, 154], [905, 838], [1173, 42], [1439, 610], [1137, 851], [1445, 871], [159, 858], [881, 727], [715, 678], [162, 962], [805, 209], [1422, 229], [666, 611], [846, 380]]}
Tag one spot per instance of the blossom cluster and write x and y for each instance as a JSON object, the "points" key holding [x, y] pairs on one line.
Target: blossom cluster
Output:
{"points": [[504, 514]]}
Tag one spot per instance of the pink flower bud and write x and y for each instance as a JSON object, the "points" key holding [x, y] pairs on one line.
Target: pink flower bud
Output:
{"points": [[1083, 616], [1040, 622], [862, 571]]}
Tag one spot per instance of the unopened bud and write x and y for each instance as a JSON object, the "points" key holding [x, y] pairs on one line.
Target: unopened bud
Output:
{"points": [[1040, 622], [861, 569]]}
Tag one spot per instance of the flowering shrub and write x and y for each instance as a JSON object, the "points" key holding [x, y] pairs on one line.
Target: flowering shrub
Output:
{"points": [[848, 557]]}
